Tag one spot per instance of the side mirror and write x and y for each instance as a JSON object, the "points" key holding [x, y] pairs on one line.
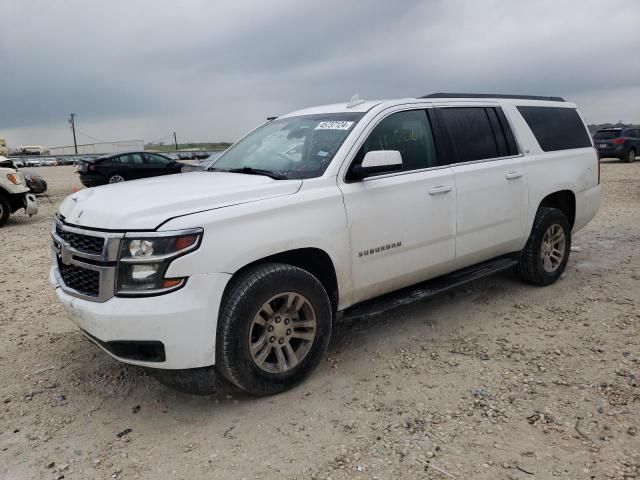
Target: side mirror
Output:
{"points": [[377, 162]]}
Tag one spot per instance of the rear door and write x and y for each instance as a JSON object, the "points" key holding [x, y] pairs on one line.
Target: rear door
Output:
{"points": [[490, 179]]}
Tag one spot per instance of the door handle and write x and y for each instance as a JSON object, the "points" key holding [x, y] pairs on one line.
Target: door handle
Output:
{"points": [[440, 190], [513, 175]]}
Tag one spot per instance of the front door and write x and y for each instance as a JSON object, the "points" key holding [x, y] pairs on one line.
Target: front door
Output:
{"points": [[156, 165], [401, 224]]}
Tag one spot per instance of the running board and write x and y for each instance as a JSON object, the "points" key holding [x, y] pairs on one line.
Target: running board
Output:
{"points": [[430, 288]]}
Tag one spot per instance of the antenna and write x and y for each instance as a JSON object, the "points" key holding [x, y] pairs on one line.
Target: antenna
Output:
{"points": [[355, 101]]}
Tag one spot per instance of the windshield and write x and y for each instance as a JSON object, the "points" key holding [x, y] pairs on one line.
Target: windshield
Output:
{"points": [[607, 134], [293, 147]]}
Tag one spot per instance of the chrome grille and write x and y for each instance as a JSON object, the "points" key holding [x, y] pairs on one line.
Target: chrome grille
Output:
{"points": [[82, 243], [84, 262]]}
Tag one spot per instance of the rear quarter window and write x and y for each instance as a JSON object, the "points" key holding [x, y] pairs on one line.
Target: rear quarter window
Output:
{"points": [[556, 128]]}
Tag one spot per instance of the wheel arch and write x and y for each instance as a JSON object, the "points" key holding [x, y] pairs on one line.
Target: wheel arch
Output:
{"points": [[563, 200], [314, 260]]}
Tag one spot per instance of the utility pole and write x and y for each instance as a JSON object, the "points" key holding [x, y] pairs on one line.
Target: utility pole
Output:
{"points": [[175, 140], [72, 121]]}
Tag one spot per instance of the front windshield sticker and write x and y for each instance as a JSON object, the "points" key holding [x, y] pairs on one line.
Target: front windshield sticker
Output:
{"points": [[334, 125]]}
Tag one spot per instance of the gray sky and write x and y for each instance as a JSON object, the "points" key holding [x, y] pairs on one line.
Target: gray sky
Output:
{"points": [[212, 70]]}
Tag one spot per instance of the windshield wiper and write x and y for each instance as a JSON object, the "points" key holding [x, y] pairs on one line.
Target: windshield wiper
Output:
{"points": [[252, 171]]}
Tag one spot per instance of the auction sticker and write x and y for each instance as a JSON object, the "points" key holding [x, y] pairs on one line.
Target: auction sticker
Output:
{"points": [[334, 125]]}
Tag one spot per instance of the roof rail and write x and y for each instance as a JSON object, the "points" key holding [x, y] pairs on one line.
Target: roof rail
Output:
{"points": [[490, 95]]}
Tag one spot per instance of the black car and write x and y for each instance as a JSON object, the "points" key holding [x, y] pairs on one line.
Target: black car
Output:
{"points": [[622, 143], [118, 167]]}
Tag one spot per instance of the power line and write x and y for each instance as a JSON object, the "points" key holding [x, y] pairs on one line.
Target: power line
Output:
{"points": [[89, 136]]}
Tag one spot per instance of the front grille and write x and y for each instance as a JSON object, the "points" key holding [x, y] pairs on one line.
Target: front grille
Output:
{"points": [[82, 243], [80, 279]]}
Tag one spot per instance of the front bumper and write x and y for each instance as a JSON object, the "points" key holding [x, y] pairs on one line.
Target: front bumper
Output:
{"points": [[30, 204], [183, 321]]}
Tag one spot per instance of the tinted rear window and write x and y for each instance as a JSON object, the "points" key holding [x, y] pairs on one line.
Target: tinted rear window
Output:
{"points": [[607, 134], [556, 128]]}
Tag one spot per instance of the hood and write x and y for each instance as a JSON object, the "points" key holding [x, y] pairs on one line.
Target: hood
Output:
{"points": [[145, 204]]}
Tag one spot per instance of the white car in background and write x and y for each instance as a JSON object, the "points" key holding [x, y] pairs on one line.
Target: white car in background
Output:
{"points": [[14, 192]]}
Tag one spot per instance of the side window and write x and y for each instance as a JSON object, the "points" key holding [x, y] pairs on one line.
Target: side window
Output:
{"points": [[471, 133], [556, 128], [152, 159], [407, 132], [131, 159]]}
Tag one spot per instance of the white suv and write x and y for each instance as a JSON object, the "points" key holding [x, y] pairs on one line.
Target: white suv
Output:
{"points": [[237, 274]]}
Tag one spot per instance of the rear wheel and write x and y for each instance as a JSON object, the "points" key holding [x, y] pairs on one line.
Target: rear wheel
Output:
{"points": [[5, 210], [116, 178], [274, 328], [631, 155], [546, 253]]}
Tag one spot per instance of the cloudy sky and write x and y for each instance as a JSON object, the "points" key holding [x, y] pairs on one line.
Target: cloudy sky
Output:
{"points": [[210, 70]]}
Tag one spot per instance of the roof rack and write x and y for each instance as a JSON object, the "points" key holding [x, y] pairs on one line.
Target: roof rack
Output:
{"points": [[490, 95]]}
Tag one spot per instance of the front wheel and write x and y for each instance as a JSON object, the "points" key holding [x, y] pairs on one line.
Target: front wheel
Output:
{"points": [[546, 253], [274, 328], [631, 155]]}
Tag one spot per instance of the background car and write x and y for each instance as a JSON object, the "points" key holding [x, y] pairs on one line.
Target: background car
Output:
{"points": [[118, 167], [201, 164], [618, 142], [65, 160]]}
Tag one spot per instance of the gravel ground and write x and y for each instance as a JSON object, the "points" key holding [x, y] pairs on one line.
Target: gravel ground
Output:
{"points": [[496, 380]]}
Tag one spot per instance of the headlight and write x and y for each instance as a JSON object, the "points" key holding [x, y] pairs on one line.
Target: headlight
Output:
{"points": [[145, 258]]}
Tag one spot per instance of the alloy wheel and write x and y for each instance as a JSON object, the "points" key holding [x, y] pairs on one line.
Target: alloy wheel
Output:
{"points": [[282, 332], [116, 179], [553, 248]]}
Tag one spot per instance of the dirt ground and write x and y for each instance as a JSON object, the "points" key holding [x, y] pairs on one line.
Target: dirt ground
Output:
{"points": [[497, 380]]}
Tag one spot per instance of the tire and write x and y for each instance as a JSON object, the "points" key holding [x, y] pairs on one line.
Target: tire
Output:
{"points": [[631, 155], [249, 297], [116, 178], [531, 267], [5, 210]]}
